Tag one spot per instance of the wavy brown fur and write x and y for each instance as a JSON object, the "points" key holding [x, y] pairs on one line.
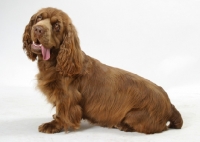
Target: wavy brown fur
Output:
{"points": [[81, 87]]}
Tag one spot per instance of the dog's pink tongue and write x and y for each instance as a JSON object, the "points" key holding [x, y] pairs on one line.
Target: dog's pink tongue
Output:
{"points": [[45, 53]]}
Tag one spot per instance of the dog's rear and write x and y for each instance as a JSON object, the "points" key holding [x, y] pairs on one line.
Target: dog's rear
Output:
{"points": [[176, 120]]}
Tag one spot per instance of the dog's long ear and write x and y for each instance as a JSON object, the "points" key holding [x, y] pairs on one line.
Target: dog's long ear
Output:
{"points": [[27, 39], [69, 59]]}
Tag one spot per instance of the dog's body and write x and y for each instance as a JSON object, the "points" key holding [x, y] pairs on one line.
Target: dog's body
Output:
{"points": [[81, 87]]}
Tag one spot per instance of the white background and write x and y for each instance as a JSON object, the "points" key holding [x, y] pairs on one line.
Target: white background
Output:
{"points": [[159, 40]]}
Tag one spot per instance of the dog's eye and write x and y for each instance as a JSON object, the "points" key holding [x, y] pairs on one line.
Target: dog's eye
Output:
{"points": [[39, 18], [56, 27]]}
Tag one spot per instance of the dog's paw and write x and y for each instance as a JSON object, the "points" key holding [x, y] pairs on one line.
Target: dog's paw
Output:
{"points": [[51, 127]]}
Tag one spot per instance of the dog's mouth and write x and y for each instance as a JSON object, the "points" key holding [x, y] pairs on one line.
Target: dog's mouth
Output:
{"points": [[37, 42], [37, 46]]}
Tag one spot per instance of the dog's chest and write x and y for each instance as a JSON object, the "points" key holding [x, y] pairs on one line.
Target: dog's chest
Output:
{"points": [[50, 85]]}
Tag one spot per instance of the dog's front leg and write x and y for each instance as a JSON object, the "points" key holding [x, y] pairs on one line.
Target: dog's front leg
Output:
{"points": [[69, 111]]}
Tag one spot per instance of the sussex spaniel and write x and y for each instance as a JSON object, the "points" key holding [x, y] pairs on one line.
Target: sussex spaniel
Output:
{"points": [[81, 87]]}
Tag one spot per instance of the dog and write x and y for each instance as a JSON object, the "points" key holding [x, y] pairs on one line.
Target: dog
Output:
{"points": [[81, 87]]}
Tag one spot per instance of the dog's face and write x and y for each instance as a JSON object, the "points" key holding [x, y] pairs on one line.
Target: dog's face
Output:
{"points": [[47, 32]]}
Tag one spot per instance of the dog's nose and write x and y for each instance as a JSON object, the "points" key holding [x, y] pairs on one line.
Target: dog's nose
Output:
{"points": [[38, 30]]}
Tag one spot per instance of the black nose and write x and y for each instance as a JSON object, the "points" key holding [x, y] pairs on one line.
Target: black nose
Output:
{"points": [[38, 30]]}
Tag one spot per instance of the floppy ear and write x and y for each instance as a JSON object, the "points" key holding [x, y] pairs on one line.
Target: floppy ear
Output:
{"points": [[27, 40], [69, 59]]}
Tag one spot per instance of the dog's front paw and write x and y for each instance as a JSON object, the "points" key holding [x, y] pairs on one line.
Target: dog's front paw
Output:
{"points": [[51, 127]]}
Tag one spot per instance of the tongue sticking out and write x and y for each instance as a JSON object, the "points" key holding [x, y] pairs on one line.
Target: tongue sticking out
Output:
{"points": [[45, 51]]}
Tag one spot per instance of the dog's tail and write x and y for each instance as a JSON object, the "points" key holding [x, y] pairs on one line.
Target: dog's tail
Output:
{"points": [[176, 120]]}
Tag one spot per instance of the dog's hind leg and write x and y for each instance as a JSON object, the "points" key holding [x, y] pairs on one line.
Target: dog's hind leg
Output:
{"points": [[141, 121]]}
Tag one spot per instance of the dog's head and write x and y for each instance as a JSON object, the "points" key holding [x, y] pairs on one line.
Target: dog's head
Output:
{"points": [[51, 29]]}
